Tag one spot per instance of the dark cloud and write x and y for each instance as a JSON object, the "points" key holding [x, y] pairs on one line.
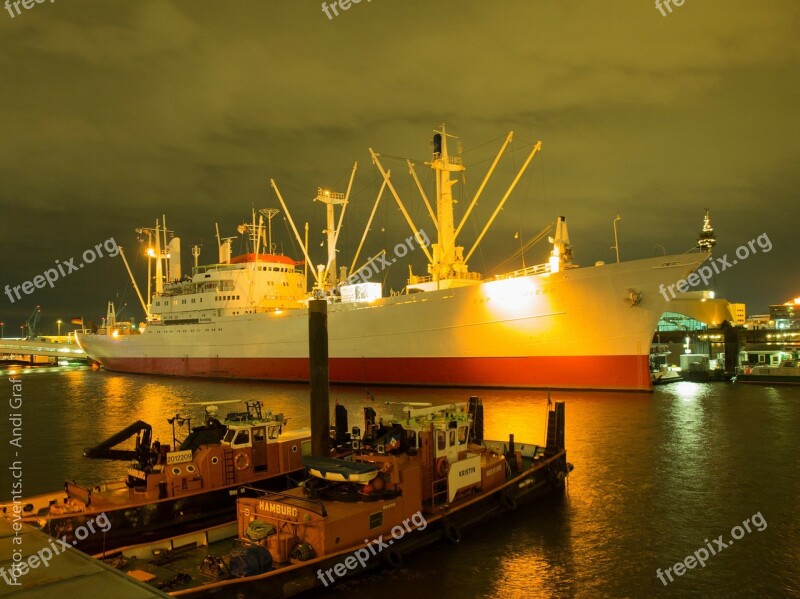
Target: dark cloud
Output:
{"points": [[116, 114]]}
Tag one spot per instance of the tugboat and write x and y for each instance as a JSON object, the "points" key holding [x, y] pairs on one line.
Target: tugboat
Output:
{"points": [[170, 490], [424, 477]]}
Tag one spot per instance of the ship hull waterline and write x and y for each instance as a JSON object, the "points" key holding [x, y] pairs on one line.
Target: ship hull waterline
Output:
{"points": [[583, 328]]}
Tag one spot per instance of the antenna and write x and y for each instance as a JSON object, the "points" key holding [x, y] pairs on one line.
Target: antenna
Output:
{"points": [[270, 213]]}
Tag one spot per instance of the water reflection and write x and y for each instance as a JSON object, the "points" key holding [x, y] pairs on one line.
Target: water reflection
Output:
{"points": [[655, 474]]}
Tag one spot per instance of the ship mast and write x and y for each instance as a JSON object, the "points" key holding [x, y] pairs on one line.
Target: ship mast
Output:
{"points": [[448, 263], [330, 199], [448, 258]]}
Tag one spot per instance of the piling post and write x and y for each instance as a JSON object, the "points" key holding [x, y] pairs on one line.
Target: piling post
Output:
{"points": [[318, 376]]}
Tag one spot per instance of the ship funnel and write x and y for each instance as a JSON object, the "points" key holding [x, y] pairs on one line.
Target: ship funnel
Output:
{"points": [[225, 252], [318, 376], [174, 253]]}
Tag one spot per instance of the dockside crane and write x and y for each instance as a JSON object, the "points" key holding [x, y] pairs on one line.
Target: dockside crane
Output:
{"points": [[32, 324]]}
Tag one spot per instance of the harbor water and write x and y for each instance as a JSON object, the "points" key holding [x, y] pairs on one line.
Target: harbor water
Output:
{"points": [[658, 477]]}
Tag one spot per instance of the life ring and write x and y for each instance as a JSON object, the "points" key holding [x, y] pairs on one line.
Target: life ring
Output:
{"points": [[442, 467], [508, 501], [452, 533], [242, 461], [393, 558]]}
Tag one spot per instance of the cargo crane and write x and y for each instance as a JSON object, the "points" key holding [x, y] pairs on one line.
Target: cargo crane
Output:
{"points": [[33, 323]]}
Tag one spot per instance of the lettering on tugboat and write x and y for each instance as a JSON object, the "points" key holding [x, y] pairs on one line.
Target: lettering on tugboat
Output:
{"points": [[277, 508], [466, 471], [178, 457], [493, 471]]}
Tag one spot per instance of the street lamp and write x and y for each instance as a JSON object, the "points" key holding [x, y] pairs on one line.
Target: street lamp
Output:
{"points": [[59, 327], [616, 239]]}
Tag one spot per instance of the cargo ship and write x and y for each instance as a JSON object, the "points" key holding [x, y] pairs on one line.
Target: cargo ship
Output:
{"points": [[551, 325]]}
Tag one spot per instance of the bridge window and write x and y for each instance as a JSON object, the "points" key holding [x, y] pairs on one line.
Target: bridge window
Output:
{"points": [[242, 438], [441, 441], [452, 438]]}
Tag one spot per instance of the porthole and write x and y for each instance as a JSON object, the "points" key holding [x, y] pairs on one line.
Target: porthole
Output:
{"points": [[215, 460], [176, 471], [190, 468]]}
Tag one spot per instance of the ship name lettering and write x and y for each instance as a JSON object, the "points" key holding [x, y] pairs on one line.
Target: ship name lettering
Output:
{"points": [[277, 508], [466, 471]]}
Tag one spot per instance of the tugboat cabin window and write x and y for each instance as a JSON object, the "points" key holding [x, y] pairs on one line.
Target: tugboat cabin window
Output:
{"points": [[237, 438], [441, 441], [411, 438], [452, 438], [258, 435], [462, 434]]}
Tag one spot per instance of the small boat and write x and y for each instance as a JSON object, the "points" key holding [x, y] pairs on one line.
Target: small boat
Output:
{"points": [[787, 372], [660, 372], [339, 470], [424, 478], [665, 375], [170, 490]]}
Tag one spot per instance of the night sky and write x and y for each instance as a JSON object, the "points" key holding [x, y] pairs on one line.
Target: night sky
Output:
{"points": [[116, 113]]}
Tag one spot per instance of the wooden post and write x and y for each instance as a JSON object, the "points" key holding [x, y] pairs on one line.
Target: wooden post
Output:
{"points": [[318, 376]]}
